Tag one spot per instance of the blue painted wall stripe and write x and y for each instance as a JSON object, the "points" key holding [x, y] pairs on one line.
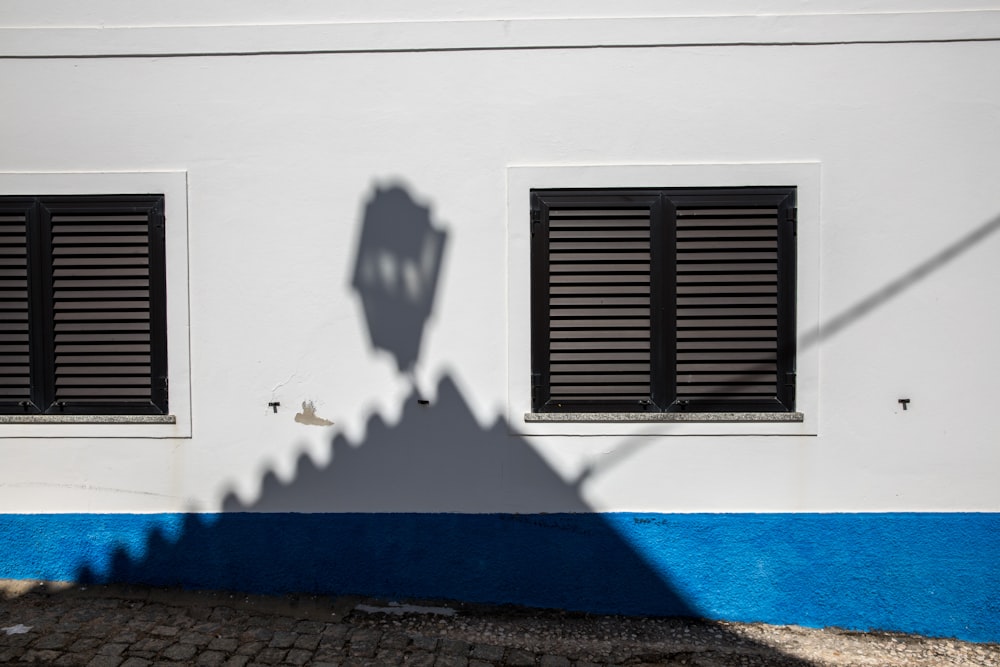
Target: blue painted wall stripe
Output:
{"points": [[935, 574]]}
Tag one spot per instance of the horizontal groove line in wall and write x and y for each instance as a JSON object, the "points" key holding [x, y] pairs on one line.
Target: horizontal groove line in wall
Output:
{"points": [[497, 34]]}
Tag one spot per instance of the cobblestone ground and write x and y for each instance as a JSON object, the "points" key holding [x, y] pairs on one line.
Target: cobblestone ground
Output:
{"points": [[135, 627]]}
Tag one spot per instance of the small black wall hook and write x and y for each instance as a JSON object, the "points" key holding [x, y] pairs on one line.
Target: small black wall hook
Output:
{"points": [[274, 406], [904, 402]]}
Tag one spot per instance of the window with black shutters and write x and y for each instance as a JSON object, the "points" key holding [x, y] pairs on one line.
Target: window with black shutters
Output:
{"points": [[82, 305], [663, 300]]}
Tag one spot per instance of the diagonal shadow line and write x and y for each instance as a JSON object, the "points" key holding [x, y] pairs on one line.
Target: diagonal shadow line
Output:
{"points": [[838, 323], [829, 329]]}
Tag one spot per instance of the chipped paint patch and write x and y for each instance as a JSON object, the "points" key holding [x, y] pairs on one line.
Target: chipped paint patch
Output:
{"points": [[308, 416], [16, 629]]}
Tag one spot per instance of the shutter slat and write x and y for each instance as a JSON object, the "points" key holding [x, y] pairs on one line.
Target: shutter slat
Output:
{"points": [[104, 393], [605, 365], [603, 323], [726, 355], [105, 336], [73, 326], [731, 346], [600, 345], [627, 298], [97, 371], [65, 315], [599, 291], [595, 311], [702, 213], [564, 391], [708, 367], [69, 284], [729, 324], [722, 391], [609, 280], [97, 263], [601, 334], [603, 355], [103, 359], [722, 336]]}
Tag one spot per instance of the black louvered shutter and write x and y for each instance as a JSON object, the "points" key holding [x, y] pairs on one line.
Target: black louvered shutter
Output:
{"points": [[663, 299], [735, 268], [596, 260], [97, 303]]}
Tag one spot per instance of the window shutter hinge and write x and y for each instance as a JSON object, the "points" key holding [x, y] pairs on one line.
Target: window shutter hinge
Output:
{"points": [[536, 219], [793, 217], [163, 383], [536, 385], [790, 379]]}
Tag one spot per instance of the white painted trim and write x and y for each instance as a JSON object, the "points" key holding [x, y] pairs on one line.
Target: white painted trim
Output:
{"points": [[522, 33], [173, 185], [806, 176]]}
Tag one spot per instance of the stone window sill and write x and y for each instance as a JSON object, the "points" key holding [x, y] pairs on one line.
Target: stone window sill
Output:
{"points": [[88, 419], [561, 417]]}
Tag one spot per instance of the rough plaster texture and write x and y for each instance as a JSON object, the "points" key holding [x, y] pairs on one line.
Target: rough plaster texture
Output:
{"points": [[934, 574]]}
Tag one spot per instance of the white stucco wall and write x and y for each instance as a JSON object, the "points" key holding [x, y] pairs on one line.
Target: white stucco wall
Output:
{"points": [[285, 125]]}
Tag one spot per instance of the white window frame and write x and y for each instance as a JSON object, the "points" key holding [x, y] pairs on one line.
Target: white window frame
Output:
{"points": [[173, 186], [805, 176]]}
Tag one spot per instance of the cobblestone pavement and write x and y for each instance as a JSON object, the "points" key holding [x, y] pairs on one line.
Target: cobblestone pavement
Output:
{"points": [[139, 627]]}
